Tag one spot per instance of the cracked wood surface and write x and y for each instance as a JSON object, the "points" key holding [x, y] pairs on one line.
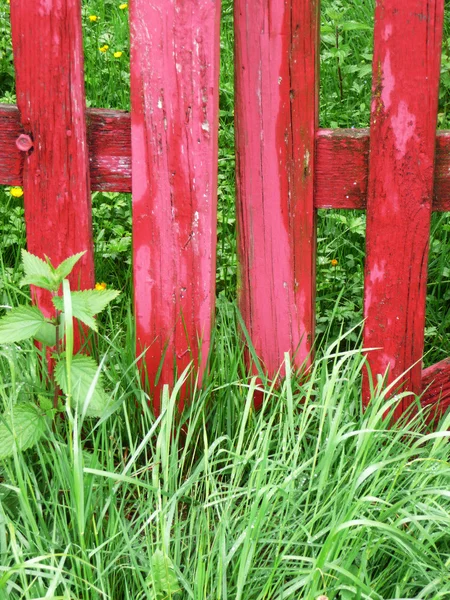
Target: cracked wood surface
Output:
{"points": [[48, 60], [277, 47], [407, 49], [174, 120]]}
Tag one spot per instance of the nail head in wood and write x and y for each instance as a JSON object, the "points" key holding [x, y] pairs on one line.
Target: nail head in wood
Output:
{"points": [[24, 142]]}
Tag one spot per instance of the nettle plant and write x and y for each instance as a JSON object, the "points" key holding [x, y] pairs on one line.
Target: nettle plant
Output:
{"points": [[75, 378]]}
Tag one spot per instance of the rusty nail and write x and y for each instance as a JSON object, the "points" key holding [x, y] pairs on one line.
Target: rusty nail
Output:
{"points": [[24, 142]]}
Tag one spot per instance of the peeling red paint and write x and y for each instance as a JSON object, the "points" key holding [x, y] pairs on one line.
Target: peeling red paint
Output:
{"points": [[400, 189], [50, 97], [276, 122], [174, 93]]}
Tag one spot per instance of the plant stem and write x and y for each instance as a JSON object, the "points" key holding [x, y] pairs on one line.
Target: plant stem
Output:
{"points": [[341, 85], [58, 352]]}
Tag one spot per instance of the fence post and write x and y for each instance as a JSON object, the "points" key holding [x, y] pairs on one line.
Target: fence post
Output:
{"points": [[48, 59], [277, 53], [174, 105], [406, 62]]}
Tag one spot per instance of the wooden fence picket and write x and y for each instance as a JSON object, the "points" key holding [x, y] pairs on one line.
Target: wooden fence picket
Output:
{"points": [[407, 49], [174, 99], [277, 50], [48, 59]]}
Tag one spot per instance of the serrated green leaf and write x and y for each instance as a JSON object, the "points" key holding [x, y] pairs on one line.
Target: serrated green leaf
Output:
{"points": [[83, 371], [162, 579], [88, 303], [46, 334], [45, 403], [20, 324], [23, 427], [65, 268], [39, 281], [37, 270]]}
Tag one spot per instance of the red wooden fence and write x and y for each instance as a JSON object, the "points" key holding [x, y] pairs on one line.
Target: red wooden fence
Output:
{"points": [[286, 169]]}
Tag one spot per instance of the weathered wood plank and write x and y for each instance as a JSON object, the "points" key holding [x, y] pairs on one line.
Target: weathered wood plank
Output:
{"points": [[174, 99], [277, 47], [342, 158], [436, 386], [109, 142], [400, 187], [48, 59], [342, 168]]}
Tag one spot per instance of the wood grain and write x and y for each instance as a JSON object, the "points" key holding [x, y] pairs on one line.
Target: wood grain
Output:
{"points": [[400, 188], [342, 159], [174, 120], [436, 386], [48, 60], [277, 47]]}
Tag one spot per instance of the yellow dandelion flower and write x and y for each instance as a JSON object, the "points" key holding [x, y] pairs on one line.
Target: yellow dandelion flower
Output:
{"points": [[100, 286], [334, 263], [93, 18], [104, 48], [123, 6], [17, 192], [118, 54]]}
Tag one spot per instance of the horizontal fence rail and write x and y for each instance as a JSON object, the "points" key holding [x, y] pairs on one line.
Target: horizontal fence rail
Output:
{"points": [[342, 159]]}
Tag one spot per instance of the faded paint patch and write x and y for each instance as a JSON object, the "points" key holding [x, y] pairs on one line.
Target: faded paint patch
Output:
{"points": [[142, 285], [376, 274], [140, 182], [387, 32], [388, 81], [45, 7], [404, 127]]}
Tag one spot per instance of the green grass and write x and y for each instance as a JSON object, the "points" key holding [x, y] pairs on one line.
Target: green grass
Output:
{"points": [[346, 54], [309, 496]]}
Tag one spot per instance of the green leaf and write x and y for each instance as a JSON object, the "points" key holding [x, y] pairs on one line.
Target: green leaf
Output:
{"points": [[65, 268], [46, 334], [45, 403], [20, 323], [39, 281], [88, 303], [38, 272], [162, 579], [83, 371], [23, 427]]}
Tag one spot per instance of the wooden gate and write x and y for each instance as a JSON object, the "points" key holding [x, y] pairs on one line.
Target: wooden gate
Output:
{"points": [[286, 169]]}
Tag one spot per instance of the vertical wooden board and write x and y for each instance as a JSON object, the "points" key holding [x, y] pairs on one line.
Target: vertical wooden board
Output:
{"points": [[48, 59], [407, 47], [174, 100], [277, 51]]}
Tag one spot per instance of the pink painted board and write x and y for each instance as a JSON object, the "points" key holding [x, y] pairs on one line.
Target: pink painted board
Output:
{"points": [[277, 49], [48, 59], [407, 48], [174, 120]]}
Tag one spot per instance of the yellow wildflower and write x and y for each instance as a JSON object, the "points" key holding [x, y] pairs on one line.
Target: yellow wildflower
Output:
{"points": [[118, 54], [334, 263], [123, 6], [100, 286], [104, 48], [93, 18], [17, 192]]}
